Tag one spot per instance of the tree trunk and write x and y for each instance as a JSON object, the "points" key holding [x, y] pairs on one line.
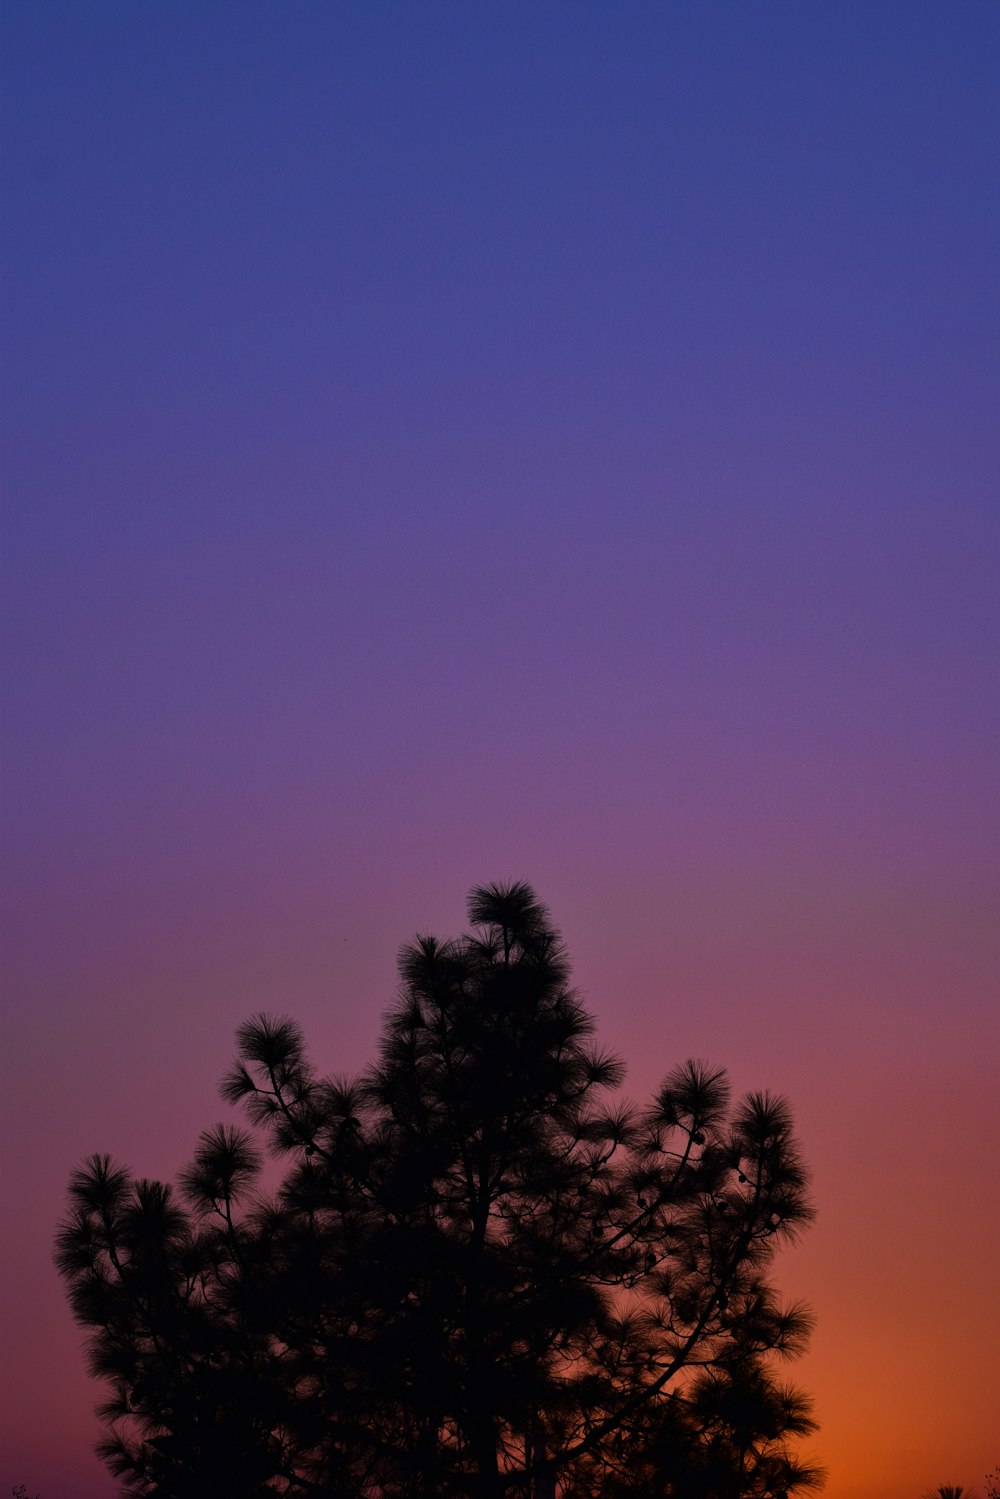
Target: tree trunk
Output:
{"points": [[482, 1439], [544, 1482]]}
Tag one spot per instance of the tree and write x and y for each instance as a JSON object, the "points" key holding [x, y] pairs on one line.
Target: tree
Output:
{"points": [[482, 1272], [730, 1434]]}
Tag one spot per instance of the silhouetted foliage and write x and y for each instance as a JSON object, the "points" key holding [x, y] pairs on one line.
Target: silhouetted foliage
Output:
{"points": [[482, 1272]]}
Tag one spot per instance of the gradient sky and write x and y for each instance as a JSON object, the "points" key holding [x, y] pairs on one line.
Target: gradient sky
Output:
{"points": [[449, 442]]}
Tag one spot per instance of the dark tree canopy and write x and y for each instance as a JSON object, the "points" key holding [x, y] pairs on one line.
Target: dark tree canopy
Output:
{"points": [[482, 1273]]}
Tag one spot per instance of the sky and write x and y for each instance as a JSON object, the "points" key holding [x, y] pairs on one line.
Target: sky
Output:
{"points": [[445, 443]]}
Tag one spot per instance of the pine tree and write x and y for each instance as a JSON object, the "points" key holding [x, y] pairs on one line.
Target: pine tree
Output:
{"points": [[482, 1273]]}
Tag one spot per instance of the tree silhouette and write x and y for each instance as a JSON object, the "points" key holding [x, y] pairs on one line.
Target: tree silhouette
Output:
{"points": [[482, 1272]]}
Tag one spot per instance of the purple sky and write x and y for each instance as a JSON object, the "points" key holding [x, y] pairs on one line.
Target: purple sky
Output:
{"points": [[555, 441]]}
